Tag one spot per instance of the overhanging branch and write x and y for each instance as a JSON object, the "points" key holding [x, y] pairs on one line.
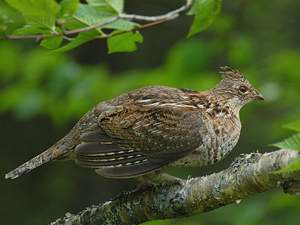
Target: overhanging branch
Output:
{"points": [[152, 21], [248, 175]]}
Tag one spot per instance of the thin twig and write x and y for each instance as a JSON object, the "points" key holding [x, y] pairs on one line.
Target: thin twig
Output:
{"points": [[66, 32], [154, 20], [147, 25], [168, 16], [94, 26], [37, 37]]}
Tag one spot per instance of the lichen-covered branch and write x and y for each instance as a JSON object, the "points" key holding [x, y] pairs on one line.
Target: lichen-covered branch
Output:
{"points": [[248, 175]]}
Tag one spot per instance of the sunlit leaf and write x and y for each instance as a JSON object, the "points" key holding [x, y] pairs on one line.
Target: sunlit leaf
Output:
{"points": [[108, 5], [205, 12], [122, 25], [117, 5], [52, 42], [10, 19], [78, 40], [102, 6], [124, 42], [88, 15], [37, 12], [292, 142], [29, 29], [71, 23], [68, 7], [293, 125]]}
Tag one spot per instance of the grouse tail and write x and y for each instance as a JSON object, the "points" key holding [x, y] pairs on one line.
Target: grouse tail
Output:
{"points": [[52, 153]]}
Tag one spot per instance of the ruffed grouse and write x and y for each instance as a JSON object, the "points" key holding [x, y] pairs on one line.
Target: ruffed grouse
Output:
{"points": [[146, 129]]}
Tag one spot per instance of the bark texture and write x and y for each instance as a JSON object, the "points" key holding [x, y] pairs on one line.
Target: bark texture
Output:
{"points": [[248, 175]]}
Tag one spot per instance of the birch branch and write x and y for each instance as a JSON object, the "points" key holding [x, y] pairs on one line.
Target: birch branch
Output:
{"points": [[152, 21], [247, 176]]}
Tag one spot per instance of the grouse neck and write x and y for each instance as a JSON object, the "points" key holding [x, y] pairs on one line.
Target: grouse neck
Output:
{"points": [[226, 100]]}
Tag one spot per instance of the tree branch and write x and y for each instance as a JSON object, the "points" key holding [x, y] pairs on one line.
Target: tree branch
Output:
{"points": [[168, 16], [153, 20], [247, 175]]}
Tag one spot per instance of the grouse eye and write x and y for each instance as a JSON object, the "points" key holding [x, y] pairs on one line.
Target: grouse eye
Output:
{"points": [[243, 89]]}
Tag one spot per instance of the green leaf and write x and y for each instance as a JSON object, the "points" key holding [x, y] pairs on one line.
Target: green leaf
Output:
{"points": [[293, 166], [38, 12], [293, 125], [124, 25], [90, 16], [102, 7], [52, 42], [205, 12], [78, 40], [125, 42], [111, 6], [68, 7], [10, 19], [292, 142], [117, 5], [29, 29]]}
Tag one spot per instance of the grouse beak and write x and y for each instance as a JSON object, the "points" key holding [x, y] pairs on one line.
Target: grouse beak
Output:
{"points": [[258, 96]]}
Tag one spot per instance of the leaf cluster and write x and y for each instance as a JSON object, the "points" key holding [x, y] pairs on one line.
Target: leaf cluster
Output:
{"points": [[63, 25]]}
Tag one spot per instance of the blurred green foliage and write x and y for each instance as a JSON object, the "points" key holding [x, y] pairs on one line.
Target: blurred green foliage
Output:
{"points": [[42, 94], [292, 143]]}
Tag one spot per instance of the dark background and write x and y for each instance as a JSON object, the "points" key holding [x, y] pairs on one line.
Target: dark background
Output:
{"points": [[43, 95]]}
